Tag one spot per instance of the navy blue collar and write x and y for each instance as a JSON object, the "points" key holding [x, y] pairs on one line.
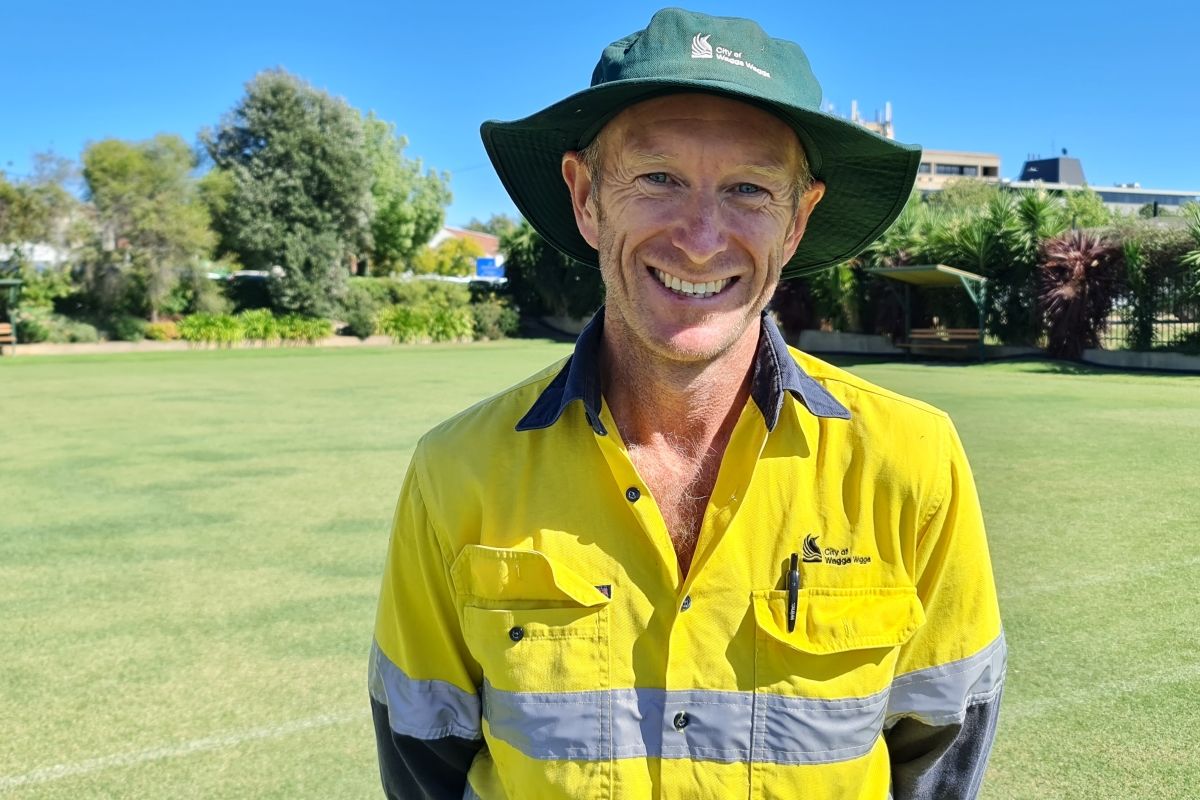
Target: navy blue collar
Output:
{"points": [[775, 373]]}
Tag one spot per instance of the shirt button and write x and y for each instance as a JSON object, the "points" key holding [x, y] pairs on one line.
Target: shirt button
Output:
{"points": [[516, 633], [687, 603], [632, 494], [681, 720]]}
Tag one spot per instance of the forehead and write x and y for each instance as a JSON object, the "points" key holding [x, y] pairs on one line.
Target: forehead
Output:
{"points": [[677, 124]]}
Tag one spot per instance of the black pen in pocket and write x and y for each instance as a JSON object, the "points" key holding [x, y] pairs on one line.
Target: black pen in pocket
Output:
{"points": [[793, 590]]}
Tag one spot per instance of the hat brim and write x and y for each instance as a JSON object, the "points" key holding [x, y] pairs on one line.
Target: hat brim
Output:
{"points": [[867, 177]]}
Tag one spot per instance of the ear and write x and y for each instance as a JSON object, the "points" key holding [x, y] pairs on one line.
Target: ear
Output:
{"points": [[579, 184], [804, 209]]}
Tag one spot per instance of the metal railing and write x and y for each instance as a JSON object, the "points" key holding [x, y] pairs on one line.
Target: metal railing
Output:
{"points": [[1166, 312]]}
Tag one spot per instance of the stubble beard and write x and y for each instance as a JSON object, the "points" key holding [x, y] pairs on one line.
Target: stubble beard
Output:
{"points": [[625, 313]]}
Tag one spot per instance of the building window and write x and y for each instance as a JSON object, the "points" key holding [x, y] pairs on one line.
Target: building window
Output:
{"points": [[991, 172], [970, 171], [925, 168]]}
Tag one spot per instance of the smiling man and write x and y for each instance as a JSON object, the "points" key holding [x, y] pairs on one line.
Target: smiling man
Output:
{"points": [[689, 561]]}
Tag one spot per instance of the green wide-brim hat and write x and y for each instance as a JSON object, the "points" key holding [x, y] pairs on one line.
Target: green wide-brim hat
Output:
{"points": [[868, 178]]}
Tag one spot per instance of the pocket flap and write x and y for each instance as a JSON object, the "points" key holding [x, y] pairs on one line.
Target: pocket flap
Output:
{"points": [[495, 573], [833, 620]]}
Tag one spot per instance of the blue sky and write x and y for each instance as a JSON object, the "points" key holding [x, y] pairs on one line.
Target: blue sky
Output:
{"points": [[1118, 84]]}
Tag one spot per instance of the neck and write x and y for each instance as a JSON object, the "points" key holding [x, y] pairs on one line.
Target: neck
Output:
{"points": [[689, 405]]}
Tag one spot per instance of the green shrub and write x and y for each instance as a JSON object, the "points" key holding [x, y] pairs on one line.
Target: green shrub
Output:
{"points": [[317, 329], [219, 329], [41, 325], [412, 292], [360, 310], [127, 328], [451, 324], [494, 319], [378, 289], [259, 325], [405, 324], [1188, 344], [296, 328], [164, 331], [42, 289]]}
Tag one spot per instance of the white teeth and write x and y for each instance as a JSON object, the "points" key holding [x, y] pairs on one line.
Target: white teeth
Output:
{"points": [[690, 289]]}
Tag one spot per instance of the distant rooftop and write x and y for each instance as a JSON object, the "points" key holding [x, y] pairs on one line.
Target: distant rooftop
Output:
{"points": [[1065, 174], [1062, 169]]}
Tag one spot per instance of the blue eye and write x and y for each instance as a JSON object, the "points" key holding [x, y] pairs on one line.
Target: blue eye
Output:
{"points": [[656, 177], [748, 188]]}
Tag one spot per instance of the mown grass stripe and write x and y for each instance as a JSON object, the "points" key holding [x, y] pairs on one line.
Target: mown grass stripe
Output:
{"points": [[206, 744]]}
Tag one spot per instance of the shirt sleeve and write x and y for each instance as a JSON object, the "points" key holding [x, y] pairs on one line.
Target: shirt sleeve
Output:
{"points": [[422, 680], [944, 703]]}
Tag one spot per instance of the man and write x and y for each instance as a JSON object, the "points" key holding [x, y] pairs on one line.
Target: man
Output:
{"points": [[689, 562]]}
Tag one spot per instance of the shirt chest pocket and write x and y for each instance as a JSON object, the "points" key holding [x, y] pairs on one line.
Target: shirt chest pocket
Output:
{"points": [[533, 625], [843, 645], [821, 689]]}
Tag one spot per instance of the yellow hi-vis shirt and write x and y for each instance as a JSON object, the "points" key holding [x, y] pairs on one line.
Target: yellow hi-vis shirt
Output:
{"points": [[532, 599]]}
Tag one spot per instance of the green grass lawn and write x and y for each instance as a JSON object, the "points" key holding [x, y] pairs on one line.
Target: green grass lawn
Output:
{"points": [[190, 549]]}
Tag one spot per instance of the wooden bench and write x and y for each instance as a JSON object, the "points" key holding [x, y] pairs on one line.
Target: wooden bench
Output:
{"points": [[964, 339], [8, 336]]}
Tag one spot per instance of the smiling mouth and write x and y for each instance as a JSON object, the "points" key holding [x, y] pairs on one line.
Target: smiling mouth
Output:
{"points": [[687, 289]]}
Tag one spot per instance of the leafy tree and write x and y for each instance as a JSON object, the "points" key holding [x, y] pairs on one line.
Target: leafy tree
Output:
{"points": [[496, 225], [452, 257], [23, 214], [410, 205], [1085, 209], [964, 195], [907, 241], [294, 189], [1015, 311], [543, 281], [153, 225], [1141, 283], [40, 209]]}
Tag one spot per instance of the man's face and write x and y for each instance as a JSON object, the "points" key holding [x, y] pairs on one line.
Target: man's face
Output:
{"points": [[694, 217]]}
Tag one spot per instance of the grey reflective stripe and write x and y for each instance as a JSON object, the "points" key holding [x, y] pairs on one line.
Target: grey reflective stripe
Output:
{"points": [[728, 727], [940, 695], [803, 731], [469, 793], [422, 709]]}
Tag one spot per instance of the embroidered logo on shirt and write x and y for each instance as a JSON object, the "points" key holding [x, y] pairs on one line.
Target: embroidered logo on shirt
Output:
{"points": [[812, 550], [834, 556]]}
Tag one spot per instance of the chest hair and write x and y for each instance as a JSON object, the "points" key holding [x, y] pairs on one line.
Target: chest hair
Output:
{"points": [[681, 484]]}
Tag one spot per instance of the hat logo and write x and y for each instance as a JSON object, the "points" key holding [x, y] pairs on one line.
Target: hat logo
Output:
{"points": [[702, 48]]}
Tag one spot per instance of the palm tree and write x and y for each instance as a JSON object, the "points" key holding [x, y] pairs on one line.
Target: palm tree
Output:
{"points": [[1078, 285], [1192, 212]]}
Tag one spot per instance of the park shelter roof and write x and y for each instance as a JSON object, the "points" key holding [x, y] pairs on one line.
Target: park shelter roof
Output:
{"points": [[938, 275], [929, 275]]}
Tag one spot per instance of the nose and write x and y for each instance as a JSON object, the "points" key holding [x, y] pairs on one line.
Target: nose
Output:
{"points": [[699, 231]]}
